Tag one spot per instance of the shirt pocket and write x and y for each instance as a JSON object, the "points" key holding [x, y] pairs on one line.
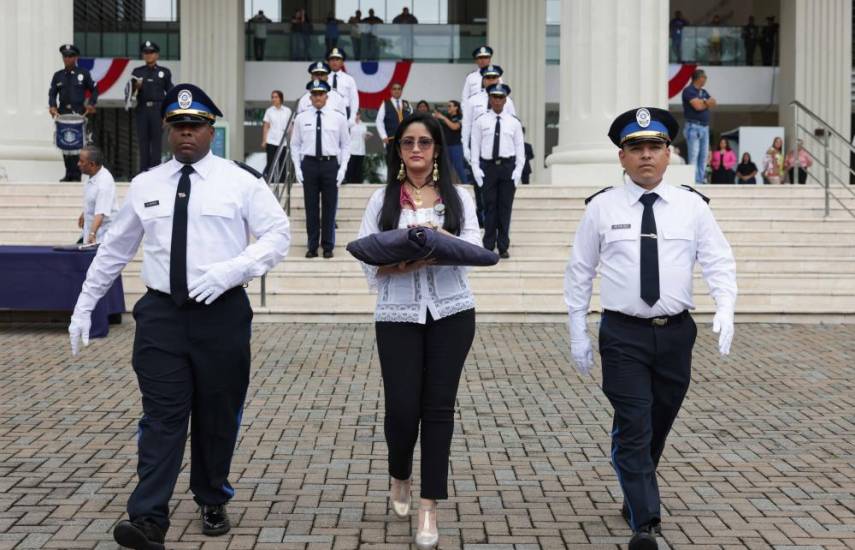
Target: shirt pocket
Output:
{"points": [[219, 209], [622, 245], [676, 246]]}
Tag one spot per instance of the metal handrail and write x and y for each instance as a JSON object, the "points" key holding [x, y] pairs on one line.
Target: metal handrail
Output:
{"points": [[280, 171], [829, 173]]}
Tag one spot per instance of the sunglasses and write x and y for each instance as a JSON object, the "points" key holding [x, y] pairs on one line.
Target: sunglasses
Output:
{"points": [[408, 144]]}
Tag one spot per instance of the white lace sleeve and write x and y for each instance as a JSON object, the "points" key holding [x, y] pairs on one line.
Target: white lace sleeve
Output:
{"points": [[370, 225]]}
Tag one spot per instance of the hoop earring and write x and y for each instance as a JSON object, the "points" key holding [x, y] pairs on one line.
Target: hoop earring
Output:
{"points": [[435, 171], [402, 174]]}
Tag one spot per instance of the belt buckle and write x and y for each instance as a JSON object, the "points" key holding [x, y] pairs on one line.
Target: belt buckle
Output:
{"points": [[659, 321], [497, 162]]}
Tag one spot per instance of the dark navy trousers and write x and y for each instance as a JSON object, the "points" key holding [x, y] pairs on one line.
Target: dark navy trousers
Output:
{"points": [[320, 198], [149, 135], [192, 364], [646, 374], [497, 195]]}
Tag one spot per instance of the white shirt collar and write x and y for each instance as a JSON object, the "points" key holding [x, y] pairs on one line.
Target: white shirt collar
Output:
{"points": [[94, 176], [634, 191], [202, 167]]}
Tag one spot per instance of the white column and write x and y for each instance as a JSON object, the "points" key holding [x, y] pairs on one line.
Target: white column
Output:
{"points": [[517, 33], [816, 69], [31, 32], [614, 57], [212, 57]]}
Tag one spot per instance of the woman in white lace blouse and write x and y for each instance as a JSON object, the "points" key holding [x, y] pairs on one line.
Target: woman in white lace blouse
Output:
{"points": [[425, 316]]}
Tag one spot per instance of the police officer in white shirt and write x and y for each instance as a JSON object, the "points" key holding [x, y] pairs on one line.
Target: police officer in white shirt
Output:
{"points": [[478, 104], [320, 149], [498, 157], [343, 83], [99, 196], [483, 56], [644, 238], [335, 101], [194, 216]]}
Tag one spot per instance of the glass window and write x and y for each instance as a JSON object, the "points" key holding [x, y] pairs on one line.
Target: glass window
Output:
{"points": [[272, 9], [161, 10], [553, 12]]}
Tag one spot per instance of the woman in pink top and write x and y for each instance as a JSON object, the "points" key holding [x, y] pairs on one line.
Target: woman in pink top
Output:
{"points": [[805, 162], [723, 163]]}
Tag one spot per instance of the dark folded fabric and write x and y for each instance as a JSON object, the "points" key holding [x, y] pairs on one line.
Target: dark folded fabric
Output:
{"points": [[419, 243]]}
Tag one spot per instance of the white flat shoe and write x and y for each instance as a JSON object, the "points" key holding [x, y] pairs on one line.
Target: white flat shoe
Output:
{"points": [[401, 508], [427, 539]]}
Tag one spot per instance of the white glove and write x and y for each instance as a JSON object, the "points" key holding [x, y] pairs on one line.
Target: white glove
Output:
{"points": [[218, 278], [339, 177], [298, 174], [78, 330], [723, 326], [580, 343], [478, 174], [517, 180], [466, 154]]}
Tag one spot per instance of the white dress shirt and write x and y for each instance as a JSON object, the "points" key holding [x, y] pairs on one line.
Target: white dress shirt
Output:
{"points": [[405, 109], [335, 102], [99, 197], [227, 204], [278, 120], [335, 136], [471, 86], [346, 86], [511, 143], [358, 135], [609, 237], [477, 105], [442, 290]]}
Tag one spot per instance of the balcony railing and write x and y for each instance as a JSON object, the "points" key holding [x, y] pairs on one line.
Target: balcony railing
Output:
{"points": [[713, 45]]}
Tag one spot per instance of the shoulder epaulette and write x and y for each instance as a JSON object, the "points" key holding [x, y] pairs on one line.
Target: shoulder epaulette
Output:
{"points": [[693, 190], [603, 190], [249, 169]]}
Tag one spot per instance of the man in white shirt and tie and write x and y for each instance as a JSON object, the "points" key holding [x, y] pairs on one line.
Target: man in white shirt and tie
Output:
{"points": [[335, 101], [498, 157], [644, 238], [320, 149], [343, 83], [483, 56], [479, 104], [194, 216]]}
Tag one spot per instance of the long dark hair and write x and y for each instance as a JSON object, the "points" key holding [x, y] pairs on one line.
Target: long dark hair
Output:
{"points": [[390, 215]]}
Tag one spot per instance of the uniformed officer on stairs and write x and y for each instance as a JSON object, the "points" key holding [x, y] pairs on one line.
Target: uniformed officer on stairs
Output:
{"points": [[194, 216], [151, 82], [644, 238]]}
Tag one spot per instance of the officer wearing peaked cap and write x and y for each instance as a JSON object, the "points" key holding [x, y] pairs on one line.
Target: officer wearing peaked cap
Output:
{"points": [[343, 83], [644, 238], [335, 100], [194, 215], [67, 95], [478, 104], [151, 82], [320, 149], [483, 56], [498, 157]]}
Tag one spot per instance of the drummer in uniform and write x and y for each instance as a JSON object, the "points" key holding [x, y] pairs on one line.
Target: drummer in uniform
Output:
{"points": [[151, 82], [67, 95]]}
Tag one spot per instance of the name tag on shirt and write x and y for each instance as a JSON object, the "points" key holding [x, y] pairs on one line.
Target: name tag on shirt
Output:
{"points": [[149, 204], [621, 226]]}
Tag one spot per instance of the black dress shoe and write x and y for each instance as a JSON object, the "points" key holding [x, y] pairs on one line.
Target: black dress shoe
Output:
{"points": [[311, 253], [328, 254], [215, 520], [504, 255], [139, 535], [624, 512], [643, 539]]}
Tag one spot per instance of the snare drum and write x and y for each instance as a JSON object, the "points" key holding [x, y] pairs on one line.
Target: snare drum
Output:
{"points": [[70, 133]]}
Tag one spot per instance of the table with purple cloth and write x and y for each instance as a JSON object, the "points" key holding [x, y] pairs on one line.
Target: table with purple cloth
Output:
{"points": [[39, 278]]}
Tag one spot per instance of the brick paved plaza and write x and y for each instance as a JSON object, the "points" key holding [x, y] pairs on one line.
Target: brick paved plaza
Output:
{"points": [[762, 456]]}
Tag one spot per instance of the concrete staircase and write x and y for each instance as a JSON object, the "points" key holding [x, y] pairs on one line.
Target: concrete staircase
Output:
{"points": [[793, 264]]}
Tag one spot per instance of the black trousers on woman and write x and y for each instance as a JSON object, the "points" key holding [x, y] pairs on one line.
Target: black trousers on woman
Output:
{"points": [[270, 149], [421, 366]]}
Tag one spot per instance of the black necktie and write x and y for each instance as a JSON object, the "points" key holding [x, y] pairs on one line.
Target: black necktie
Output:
{"points": [[178, 250], [649, 252], [335, 81], [496, 133], [319, 149]]}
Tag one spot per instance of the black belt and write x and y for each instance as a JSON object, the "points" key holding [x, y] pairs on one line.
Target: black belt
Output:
{"points": [[500, 160], [325, 158], [191, 300], [150, 103], [648, 322]]}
